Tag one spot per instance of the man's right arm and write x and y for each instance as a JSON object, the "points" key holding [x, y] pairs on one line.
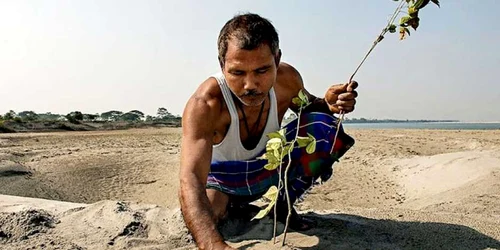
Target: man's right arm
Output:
{"points": [[196, 152]]}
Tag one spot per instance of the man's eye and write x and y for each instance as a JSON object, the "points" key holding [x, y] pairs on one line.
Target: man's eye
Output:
{"points": [[237, 73], [262, 71]]}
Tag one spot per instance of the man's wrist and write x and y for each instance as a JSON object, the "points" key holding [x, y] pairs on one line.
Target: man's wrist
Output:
{"points": [[320, 105]]}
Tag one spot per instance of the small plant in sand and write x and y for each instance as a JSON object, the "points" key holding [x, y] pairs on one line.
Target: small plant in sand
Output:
{"points": [[278, 147]]}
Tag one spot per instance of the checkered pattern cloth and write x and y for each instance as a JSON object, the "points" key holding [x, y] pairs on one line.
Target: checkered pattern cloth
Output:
{"points": [[249, 177]]}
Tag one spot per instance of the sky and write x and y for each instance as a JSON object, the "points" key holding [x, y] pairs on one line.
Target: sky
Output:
{"points": [[96, 56]]}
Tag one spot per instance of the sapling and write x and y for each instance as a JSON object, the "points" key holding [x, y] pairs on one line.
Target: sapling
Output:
{"points": [[277, 147]]}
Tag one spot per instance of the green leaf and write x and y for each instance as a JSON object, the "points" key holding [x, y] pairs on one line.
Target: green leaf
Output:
{"points": [[418, 4], [404, 21], [303, 97], [269, 156], [303, 141], [297, 101], [277, 153], [263, 157], [392, 28], [271, 166], [274, 143], [262, 213], [274, 135], [412, 12], [311, 147], [311, 137], [279, 134], [282, 132], [272, 195]]}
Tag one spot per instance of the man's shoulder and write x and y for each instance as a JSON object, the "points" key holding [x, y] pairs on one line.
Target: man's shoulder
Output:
{"points": [[209, 88], [288, 76], [208, 94], [288, 69]]}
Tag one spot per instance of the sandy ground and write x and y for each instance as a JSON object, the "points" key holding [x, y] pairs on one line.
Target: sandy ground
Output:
{"points": [[395, 189]]}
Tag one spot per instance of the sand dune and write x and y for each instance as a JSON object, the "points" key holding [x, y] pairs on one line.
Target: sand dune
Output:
{"points": [[449, 178], [396, 189]]}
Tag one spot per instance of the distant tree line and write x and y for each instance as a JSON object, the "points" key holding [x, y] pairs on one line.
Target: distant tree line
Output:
{"points": [[162, 115], [364, 120]]}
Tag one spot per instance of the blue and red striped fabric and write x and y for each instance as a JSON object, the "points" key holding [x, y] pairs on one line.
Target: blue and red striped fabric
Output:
{"points": [[249, 177]]}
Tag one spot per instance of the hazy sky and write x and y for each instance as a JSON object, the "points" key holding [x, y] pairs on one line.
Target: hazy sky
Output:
{"points": [[95, 56]]}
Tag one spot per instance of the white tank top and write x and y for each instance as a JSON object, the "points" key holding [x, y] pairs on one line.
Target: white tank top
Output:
{"points": [[231, 148]]}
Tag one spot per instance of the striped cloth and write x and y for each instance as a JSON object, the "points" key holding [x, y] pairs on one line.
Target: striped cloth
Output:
{"points": [[250, 178]]}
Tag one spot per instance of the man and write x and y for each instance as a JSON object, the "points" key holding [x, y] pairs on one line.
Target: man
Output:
{"points": [[225, 123]]}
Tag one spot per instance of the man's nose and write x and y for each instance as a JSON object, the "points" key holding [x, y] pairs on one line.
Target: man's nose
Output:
{"points": [[251, 82]]}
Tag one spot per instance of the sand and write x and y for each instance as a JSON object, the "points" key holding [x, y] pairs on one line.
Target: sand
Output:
{"points": [[395, 189]]}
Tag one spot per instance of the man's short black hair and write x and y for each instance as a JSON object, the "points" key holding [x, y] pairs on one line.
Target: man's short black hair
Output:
{"points": [[250, 30]]}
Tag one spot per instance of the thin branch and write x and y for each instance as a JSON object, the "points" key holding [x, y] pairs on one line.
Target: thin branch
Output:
{"points": [[280, 186], [286, 176], [380, 37]]}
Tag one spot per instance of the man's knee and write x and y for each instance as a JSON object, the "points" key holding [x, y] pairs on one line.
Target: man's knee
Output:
{"points": [[218, 201]]}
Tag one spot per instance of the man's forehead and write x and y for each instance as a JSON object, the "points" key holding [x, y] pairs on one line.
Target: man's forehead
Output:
{"points": [[236, 55], [235, 43]]}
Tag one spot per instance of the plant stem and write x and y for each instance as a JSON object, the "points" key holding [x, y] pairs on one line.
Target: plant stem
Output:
{"points": [[286, 177], [280, 185], [380, 37]]}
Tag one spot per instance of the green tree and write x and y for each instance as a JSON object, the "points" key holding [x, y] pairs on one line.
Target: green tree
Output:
{"points": [[112, 115], [10, 115], [49, 116], [75, 117], [163, 114], [90, 117], [130, 117], [138, 113], [28, 115]]}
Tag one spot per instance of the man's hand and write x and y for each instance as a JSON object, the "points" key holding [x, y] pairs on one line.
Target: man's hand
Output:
{"points": [[341, 97]]}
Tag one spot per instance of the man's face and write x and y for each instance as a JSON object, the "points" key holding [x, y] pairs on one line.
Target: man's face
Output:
{"points": [[250, 74]]}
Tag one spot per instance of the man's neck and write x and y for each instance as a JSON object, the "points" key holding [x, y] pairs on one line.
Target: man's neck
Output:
{"points": [[250, 118]]}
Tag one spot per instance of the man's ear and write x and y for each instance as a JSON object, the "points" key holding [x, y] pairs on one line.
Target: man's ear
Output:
{"points": [[221, 63], [277, 58]]}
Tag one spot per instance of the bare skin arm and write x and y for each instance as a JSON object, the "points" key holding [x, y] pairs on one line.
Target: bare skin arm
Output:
{"points": [[339, 97], [196, 152]]}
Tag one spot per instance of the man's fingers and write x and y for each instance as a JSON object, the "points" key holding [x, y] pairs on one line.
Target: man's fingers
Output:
{"points": [[338, 88], [348, 103], [342, 96], [341, 88], [352, 86], [348, 96]]}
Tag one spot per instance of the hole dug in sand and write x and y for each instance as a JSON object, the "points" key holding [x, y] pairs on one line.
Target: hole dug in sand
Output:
{"points": [[20, 226], [10, 168]]}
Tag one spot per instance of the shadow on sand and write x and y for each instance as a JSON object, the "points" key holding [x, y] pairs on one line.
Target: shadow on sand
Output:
{"points": [[343, 231]]}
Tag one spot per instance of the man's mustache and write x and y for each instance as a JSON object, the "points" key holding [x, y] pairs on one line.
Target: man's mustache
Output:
{"points": [[252, 93]]}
